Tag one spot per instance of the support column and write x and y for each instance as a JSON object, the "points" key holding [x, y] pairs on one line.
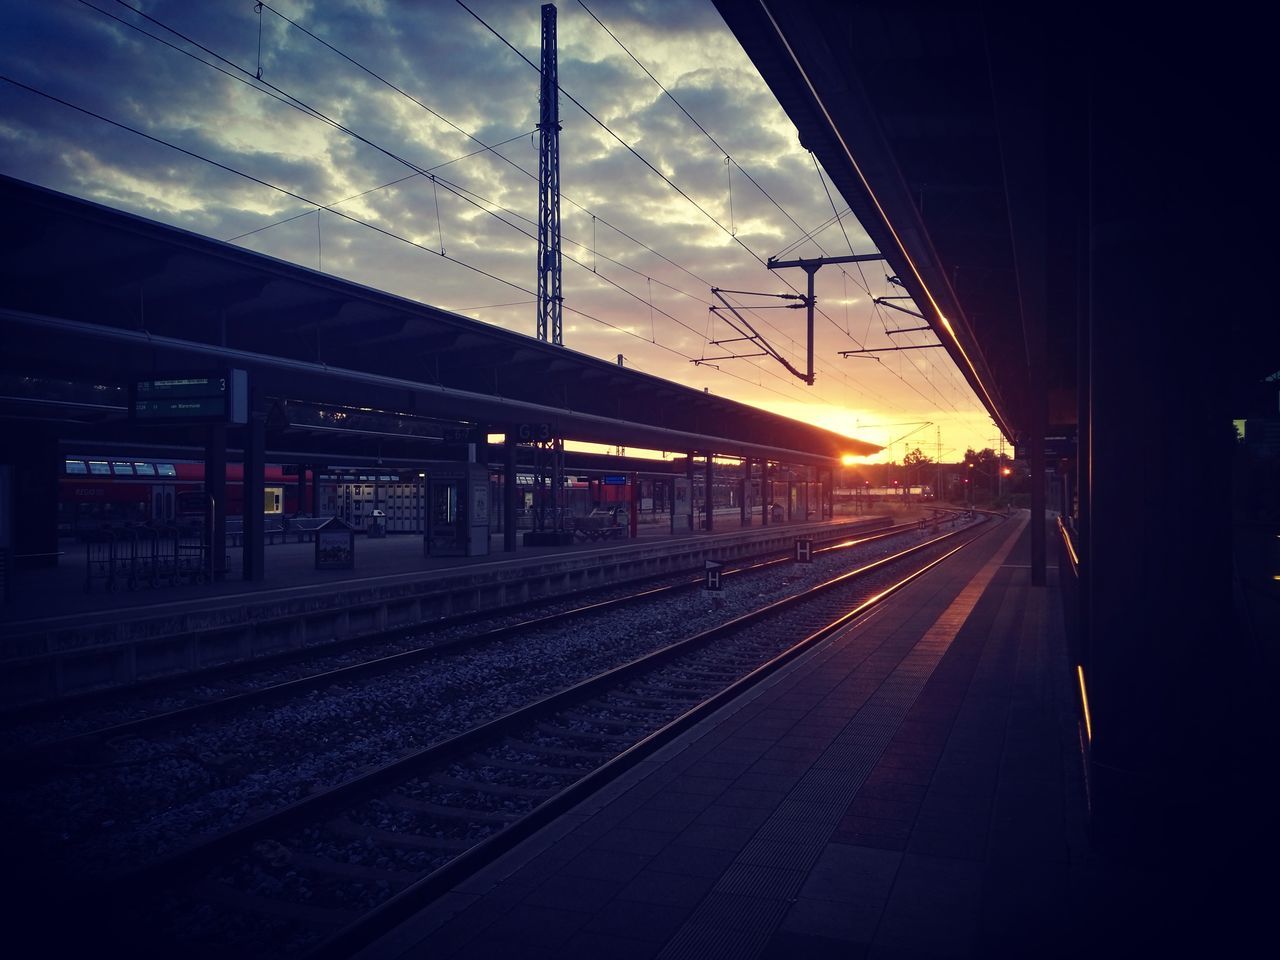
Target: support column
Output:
{"points": [[300, 489], [709, 502], [509, 490], [635, 505], [215, 501], [765, 491], [316, 470], [32, 455], [744, 512], [253, 553], [689, 476]]}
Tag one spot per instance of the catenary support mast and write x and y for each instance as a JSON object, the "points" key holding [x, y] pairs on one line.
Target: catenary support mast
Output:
{"points": [[549, 295]]}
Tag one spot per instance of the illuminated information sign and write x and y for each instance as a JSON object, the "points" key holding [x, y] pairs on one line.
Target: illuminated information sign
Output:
{"points": [[203, 397]]}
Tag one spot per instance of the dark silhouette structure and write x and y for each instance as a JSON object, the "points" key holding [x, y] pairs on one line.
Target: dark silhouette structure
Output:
{"points": [[1061, 192]]}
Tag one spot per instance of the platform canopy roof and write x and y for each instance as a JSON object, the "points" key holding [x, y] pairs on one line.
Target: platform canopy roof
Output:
{"points": [[934, 121], [92, 295]]}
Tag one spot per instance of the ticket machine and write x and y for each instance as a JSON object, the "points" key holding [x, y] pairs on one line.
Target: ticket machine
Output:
{"points": [[457, 511]]}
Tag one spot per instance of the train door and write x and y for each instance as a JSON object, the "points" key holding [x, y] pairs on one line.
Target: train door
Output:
{"points": [[162, 503]]}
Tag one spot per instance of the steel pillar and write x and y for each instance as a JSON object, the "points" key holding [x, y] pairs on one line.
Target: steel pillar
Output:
{"points": [[550, 299]]}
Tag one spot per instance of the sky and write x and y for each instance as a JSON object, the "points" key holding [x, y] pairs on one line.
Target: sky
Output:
{"points": [[684, 175]]}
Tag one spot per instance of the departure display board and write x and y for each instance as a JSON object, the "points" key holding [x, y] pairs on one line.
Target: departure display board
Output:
{"points": [[218, 397]]}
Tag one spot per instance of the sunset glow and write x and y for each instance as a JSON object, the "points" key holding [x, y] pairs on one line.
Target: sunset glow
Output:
{"points": [[436, 200]]}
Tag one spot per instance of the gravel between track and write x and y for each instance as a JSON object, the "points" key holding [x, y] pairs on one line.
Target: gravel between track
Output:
{"points": [[147, 797]]}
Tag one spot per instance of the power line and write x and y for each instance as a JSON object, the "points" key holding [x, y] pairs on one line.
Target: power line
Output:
{"points": [[839, 373], [252, 178], [362, 193], [453, 187], [356, 220], [644, 161], [728, 157], [299, 104]]}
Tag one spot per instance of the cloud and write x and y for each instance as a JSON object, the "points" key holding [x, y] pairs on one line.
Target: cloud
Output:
{"points": [[463, 77]]}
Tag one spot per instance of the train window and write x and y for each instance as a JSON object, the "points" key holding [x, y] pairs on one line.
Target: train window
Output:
{"points": [[166, 470], [77, 467], [122, 469], [144, 469], [99, 468]]}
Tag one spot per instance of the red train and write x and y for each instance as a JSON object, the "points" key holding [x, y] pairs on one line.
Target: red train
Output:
{"points": [[94, 491], [97, 490]]}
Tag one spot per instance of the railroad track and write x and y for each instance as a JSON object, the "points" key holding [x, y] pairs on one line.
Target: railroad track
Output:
{"points": [[193, 703], [329, 872], [14, 717]]}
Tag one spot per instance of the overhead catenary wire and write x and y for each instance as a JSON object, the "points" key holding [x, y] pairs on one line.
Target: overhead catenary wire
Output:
{"points": [[434, 113], [654, 169], [319, 115], [839, 373], [649, 279], [356, 220]]}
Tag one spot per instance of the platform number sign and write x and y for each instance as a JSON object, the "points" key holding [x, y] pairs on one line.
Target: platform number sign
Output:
{"points": [[220, 396], [533, 432], [712, 574], [804, 550]]}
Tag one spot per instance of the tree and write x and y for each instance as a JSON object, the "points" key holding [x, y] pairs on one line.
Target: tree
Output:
{"points": [[980, 468], [914, 463]]}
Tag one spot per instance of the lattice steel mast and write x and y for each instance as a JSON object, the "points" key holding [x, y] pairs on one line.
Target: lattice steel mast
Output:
{"points": [[549, 296]]}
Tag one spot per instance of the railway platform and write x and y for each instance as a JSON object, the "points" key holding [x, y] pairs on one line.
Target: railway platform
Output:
{"points": [[57, 638], [910, 788]]}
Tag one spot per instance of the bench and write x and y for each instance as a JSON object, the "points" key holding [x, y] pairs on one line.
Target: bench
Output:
{"points": [[305, 527], [271, 528], [599, 525]]}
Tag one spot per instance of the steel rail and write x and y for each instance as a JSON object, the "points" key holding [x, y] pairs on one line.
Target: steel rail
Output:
{"points": [[44, 755], [306, 811]]}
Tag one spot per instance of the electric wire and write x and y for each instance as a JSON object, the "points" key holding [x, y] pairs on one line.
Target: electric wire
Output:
{"points": [[288, 98], [840, 373], [728, 159], [356, 220], [434, 113], [647, 164]]}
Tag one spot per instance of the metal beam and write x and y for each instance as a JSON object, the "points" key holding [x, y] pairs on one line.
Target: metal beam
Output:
{"points": [[918, 346], [774, 264], [811, 267], [882, 302]]}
